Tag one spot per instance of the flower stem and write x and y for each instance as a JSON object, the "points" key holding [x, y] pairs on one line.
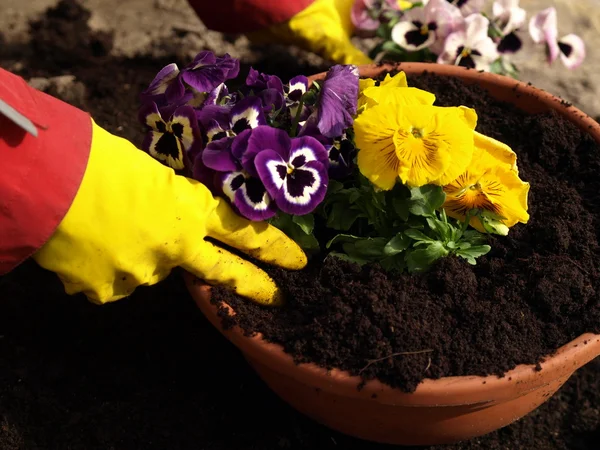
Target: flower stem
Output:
{"points": [[294, 129]]}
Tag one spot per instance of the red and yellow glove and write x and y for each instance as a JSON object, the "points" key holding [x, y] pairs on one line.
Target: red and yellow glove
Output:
{"points": [[321, 26], [110, 217]]}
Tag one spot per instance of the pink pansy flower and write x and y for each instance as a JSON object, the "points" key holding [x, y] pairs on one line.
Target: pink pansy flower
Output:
{"points": [[543, 29], [471, 46], [508, 17], [427, 27], [468, 7]]}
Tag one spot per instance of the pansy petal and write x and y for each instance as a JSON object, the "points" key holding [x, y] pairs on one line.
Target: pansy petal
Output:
{"points": [[572, 50], [217, 156], [261, 139], [303, 189], [272, 171], [272, 100], [305, 149], [149, 115], [206, 72], [253, 201], [377, 160], [248, 113], [161, 81], [338, 100], [543, 25], [184, 126], [214, 121], [298, 85], [409, 37], [398, 80], [166, 148]]}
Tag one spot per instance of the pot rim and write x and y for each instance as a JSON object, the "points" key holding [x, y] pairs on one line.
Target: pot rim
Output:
{"points": [[471, 389]]}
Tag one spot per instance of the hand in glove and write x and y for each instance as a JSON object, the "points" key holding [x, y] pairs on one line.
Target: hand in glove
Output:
{"points": [[133, 220]]}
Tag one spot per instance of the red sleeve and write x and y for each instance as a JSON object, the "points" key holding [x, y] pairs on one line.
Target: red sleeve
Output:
{"points": [[244, 16], [39, 176]]}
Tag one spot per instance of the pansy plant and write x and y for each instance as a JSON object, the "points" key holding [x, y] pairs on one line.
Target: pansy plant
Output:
{"points": [[480, 34], [362, 169]]}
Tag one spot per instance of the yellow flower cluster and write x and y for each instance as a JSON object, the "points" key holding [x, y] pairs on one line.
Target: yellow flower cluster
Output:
{"points": [[402, 136]]}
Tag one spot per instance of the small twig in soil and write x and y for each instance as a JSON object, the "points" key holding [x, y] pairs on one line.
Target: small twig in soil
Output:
{"points": [[428, 365], [373, 361]]}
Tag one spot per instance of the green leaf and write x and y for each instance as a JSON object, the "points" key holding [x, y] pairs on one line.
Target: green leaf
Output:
{"points": [[417, 235], [420, 260], [286, 224], [346, 257], [370, 247], [341, 238], [396, 245], [426, 199], [473, 252], [341, 216], [306, 222]]}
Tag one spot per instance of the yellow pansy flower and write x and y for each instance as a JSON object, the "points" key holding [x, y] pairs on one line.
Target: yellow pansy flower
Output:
{"points": [[491, 184], [393, 90], [420, 144]]}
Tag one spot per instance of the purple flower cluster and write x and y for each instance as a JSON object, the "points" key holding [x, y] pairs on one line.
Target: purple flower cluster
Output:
{"points": [[267, 146]]}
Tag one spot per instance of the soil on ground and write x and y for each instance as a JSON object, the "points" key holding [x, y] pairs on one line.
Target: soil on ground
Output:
{"points": [[149, 372]]}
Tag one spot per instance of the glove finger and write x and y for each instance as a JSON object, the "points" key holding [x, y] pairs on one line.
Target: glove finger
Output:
{"points": [[257, 239], [219, 267]]}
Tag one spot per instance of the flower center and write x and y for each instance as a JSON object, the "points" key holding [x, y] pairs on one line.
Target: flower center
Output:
{"points": [[417, 132], [424, 30]]}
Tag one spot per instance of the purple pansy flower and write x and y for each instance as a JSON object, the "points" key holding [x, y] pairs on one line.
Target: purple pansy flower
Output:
{"points": [[203, 75], [337, 102], [172, 140], [269, 88], [236, 176], [294, 171]]}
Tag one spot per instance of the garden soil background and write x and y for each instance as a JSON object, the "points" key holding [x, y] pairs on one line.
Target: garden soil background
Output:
{"points": [[149, 372]]}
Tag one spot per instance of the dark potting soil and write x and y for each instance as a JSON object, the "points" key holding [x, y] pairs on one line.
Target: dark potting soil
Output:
{"points": [[537, 289], [149, 372]]}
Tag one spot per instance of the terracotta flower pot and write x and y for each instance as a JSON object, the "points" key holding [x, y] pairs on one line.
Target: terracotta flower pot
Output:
{"points": [[439, 411]]}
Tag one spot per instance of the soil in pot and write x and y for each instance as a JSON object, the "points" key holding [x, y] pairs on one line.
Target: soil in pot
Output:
{"points": [[534, 292]]}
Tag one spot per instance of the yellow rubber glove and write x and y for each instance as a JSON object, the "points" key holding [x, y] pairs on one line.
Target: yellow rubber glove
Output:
{"points": [[133, 220], [324, 28]]}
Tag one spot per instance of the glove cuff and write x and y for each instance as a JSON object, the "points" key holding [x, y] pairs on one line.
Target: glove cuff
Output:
{"points": [[40, 175], [244, 16]]}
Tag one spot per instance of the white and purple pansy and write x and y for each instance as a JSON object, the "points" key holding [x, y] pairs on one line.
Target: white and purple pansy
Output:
{"points": [[171, 141], [471, 47], [296, 88], [293, 170], [236, 177], [427, 27], [219, 122], [543, 28], [338, 100]]}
